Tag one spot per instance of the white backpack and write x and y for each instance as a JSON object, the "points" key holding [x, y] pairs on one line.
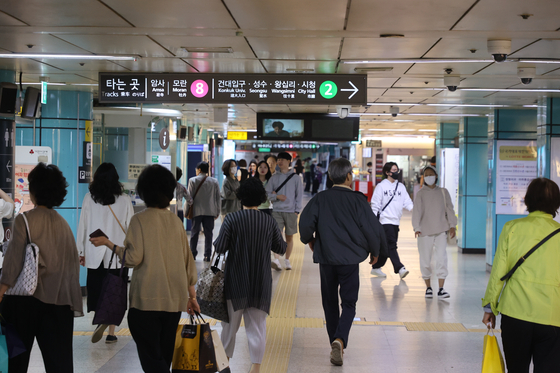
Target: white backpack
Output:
{"points": [[27, 280]]}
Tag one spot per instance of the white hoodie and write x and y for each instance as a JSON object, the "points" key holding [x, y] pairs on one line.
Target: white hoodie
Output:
{"points": [[382, 195]]}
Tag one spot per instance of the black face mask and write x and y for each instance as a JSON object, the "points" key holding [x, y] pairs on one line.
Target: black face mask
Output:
{"points": [[394, 175]]}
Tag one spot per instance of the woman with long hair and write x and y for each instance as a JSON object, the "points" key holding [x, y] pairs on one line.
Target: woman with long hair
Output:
{"points": [[230, 203], [264, 174], [253, 165], [105, 207]]}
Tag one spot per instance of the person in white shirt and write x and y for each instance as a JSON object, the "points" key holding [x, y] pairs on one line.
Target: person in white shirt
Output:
{"points": [[6, 210], [390, 197], [432, 218], [105, 207]]}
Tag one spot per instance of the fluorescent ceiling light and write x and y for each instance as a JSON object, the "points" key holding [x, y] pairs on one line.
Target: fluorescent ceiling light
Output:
{"points": [[421, 60], [69, 56], [87, 84], [510, 90], [48, 83], [445, 105], [208, 49], [427, 130], [402, 120], [372, 69], [169, 112], [300, 70], [390, 129], [426, 114]]}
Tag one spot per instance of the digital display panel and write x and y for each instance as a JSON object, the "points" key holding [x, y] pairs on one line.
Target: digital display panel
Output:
{"points": [[283, 128], [334, 129], [321, 89]]}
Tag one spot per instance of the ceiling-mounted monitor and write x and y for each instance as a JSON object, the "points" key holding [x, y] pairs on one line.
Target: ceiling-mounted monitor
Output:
{"points": [[305, 126]]}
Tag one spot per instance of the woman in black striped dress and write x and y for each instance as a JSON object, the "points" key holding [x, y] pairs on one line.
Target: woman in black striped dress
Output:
{"points": [[248, 236]]}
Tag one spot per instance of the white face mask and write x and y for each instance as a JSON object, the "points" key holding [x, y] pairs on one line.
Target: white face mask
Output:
{"points": [[233, 170], [430, 180]]}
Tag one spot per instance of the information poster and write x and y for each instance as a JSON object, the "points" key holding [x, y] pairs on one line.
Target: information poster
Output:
{"points": [[516, 163], [449, 175], [22, 199]]}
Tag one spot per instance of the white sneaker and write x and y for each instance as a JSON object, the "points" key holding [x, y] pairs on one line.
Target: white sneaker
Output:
{"points": [[377, 272], [287, 264], [275, 264], [403, 272]]}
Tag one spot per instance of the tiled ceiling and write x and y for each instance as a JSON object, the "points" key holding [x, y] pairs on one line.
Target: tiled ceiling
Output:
{"points": [[270, 36]]}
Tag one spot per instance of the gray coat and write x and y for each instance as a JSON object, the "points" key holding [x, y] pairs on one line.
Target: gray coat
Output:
{"points": [[207, 201], [230, 203]]}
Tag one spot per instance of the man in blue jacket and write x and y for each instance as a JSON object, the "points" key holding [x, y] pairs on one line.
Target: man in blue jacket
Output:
{"points": [[342, 231]]}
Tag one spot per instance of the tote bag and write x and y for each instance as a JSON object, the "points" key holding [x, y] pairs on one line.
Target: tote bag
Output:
{"points": [[194, 348], [210, 293], [26, 283], [112, 303], [492, 360]]}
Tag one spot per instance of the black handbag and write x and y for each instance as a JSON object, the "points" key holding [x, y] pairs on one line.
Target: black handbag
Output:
{"points": [[210, 293], [112, 303]]}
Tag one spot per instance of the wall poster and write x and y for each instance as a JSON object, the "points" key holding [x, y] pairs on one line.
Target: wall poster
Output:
{"points": [[516, 167]]}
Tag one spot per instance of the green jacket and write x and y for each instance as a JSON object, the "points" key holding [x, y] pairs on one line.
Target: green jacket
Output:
{"points": [[533, 292]]}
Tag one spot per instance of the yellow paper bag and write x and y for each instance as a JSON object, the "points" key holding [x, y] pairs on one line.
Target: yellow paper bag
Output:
{"points": [[492, 360]]}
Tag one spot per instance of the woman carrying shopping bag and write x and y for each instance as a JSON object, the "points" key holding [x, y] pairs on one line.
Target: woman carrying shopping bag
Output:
{"points": [[105, 207], [524, 284], [248, 236], [164, 275], [48, 314], [433, 219]]}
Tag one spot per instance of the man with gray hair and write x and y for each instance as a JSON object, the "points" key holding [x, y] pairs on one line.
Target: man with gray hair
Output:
{"points": [[342, 231]]}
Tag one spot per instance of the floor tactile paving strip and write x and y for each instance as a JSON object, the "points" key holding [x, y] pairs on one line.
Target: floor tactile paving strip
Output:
{"points": [[435, 327]]}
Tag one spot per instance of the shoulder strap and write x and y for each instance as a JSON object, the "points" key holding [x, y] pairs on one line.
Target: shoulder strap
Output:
{"points": [[199, 185], [391, 200], [524, 257], [27, 227], [444, 202], [284, 183], [120, 225]]}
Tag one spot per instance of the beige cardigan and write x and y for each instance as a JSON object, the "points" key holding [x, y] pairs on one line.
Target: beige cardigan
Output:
{"points": [[157, 248], [59, 265]]}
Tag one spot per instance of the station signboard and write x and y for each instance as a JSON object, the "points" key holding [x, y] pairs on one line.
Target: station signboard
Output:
{"points": [[305, 89]]}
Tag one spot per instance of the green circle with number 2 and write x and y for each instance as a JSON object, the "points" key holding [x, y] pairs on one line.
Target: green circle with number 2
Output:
{"points": [[328, 89]]}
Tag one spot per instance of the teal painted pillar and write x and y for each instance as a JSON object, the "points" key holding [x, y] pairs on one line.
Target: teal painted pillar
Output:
{"points": [[62, 128], [504, 124], [548, 128], [445, 138], [473, 171]]}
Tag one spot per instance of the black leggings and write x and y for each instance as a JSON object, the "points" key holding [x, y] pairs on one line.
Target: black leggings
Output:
{"points": [[392, 234]]}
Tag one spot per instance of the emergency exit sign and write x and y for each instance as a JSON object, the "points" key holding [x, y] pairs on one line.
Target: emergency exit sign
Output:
{"points": [[43, 93]]}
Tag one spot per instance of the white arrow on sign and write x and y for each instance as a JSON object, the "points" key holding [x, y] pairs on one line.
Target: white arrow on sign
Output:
{"points": [[8, 166], [355, 90]]}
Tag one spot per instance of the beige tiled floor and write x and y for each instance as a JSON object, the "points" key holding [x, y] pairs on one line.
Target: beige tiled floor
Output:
{"points": [[371, 348]]}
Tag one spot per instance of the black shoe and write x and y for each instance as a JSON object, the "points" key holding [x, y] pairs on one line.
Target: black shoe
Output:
{"points": [[206, 258], [194, 255], [98, 333], [111, 339]]}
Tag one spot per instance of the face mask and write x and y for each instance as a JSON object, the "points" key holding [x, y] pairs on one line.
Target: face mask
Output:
{"points": [[430, 180], [233, 170], [394, 175]]}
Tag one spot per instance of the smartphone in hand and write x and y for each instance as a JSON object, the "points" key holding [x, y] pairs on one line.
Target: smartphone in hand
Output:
{"points": [[98, 233]]}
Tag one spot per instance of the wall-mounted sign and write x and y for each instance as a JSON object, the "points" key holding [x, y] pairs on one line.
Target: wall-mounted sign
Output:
{"points": [[89, 130], [237, 135], [162, 160], [164, 138], [134, 170], [84, 175], [321, 89], [44, 92], [278, 147], [373, 144]]}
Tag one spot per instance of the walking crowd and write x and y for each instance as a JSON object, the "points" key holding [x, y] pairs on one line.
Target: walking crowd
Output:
{"points": [[261, 209]]}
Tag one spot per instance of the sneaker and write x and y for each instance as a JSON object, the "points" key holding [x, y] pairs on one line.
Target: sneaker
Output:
{"points": [[442, 294], [337, 351], [111, 339], [378, 272], [98, 333], [403, 272], [275, 264], [429, 293], [287, 264]]}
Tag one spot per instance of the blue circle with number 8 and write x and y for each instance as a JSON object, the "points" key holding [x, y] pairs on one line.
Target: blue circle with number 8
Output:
{"points": [[328, 89]]}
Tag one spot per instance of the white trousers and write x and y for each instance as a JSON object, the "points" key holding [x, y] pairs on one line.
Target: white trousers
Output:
{"points": [[255, 326], [427, 246]]}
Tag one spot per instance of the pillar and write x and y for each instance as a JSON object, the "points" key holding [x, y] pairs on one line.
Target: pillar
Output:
{"points": [[62, 128], [548, 133], [7, 154], [504, 124], [473, 171], [445, 138]]}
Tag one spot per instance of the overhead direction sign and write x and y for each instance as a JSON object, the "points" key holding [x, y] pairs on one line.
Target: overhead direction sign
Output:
{"points": [[237, 135], [307, 89]]}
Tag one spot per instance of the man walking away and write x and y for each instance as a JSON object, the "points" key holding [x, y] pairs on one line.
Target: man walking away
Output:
{"points": [[205, 192], [180, 193], [342, 231], [285, 191]]}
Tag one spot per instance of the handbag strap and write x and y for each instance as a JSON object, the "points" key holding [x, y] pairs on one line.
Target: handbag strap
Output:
{"points": [[391, 200], [199, 185], [117, 219], [27, 228], [284, 183], [524, 257], [444, 202], [122, 261]]}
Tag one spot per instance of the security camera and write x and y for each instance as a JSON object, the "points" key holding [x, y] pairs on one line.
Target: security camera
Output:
{"points": [[451, 82], [499, 49], [526, 74], [343, 111], [394, 111]]}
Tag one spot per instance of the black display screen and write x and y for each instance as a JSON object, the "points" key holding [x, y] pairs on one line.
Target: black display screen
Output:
{"points": [[333, 129]]}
